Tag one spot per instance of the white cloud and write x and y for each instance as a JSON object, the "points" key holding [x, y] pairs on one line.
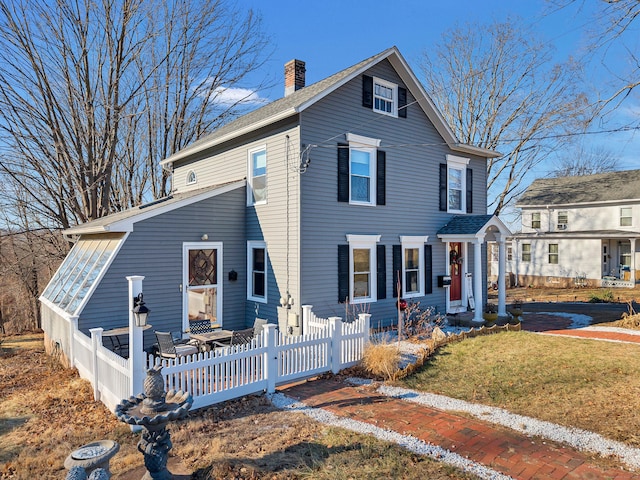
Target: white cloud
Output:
{"points": [[231, 96]]}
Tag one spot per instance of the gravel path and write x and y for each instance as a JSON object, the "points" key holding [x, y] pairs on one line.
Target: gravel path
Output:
{"points": [[407, 441]]}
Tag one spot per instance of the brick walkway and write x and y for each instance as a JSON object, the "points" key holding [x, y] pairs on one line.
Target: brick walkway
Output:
{"points": [[499, 448]]}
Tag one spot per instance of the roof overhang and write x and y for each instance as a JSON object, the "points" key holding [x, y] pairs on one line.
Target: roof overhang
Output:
{"points": [[407, 76], [124, 221], [459, 230]]}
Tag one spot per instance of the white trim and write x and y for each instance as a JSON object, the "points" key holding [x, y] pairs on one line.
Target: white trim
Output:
{"points": [[460, 164], [186, 246], [251, 245], [250, 153], [362, 141], [413, 242], [394, 100], [368, 145], [363, 242]]}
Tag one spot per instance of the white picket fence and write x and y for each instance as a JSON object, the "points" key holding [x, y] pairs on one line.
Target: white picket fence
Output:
{"points": [[266, 362]]}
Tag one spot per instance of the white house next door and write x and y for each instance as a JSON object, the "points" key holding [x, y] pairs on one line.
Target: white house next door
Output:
{"points": [[202, 281]]}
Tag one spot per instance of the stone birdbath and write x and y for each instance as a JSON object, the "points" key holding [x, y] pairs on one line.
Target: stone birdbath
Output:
{"points": [[152, 410], [93, 456]]}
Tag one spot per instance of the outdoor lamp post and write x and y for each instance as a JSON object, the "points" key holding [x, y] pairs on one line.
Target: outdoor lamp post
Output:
{"points": [[140, 311]]}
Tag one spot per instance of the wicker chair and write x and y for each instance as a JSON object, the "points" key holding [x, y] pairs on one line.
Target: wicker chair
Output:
{"points": [[167, 348]]}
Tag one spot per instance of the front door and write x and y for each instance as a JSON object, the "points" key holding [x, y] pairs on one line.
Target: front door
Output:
{"points": [[455, 270], [202, 281]]}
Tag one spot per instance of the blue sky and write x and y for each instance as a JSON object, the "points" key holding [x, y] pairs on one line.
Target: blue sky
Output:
{"points": [[330, 35]]}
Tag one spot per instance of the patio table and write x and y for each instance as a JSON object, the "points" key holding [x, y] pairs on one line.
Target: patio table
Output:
{"points": [[210, 337]]}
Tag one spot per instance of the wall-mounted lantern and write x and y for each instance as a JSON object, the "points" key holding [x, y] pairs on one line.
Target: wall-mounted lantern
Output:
{"points": [[140, 311]]}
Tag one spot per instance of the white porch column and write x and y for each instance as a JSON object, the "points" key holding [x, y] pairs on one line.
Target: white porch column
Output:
{"points": [[502, 293], [137, 360], [632, 268], [477, 278]]}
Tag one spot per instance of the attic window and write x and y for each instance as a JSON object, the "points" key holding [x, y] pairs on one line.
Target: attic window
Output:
{"points": [[384, 97], [191, 177]]}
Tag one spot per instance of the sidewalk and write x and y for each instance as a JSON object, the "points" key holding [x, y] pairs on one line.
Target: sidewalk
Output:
{"points": [[504, 450]]}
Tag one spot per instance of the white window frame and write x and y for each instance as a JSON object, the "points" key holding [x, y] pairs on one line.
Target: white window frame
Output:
{"points": [[523, 253], [412, 242], [192, 178], [538, 220], [626, 213], [563, 219], [251, 246], [250, 176], [394, 100], [555, 255], [370, 146], [364, 242], [457, 163]]}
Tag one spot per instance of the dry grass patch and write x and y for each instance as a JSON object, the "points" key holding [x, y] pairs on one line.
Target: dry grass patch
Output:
{"points": [[582, 383], [381, 360], [630, 319], [47, 411]]}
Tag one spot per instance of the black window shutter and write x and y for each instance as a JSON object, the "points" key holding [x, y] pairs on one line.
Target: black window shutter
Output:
{"points": [[343, 273], [381, 187], [343, 172], [402, 102], [443, 187], [381, 265], [397, 269], [469, 190], [367, 91], [428, 270]]}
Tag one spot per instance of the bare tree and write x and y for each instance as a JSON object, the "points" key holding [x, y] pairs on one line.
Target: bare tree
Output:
{"points": [[497, 88], [583, 161], [612, 35], [94, 94]]}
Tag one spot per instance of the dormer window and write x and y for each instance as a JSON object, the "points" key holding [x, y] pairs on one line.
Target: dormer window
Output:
{"points": [[535, 220], [191, 177]]}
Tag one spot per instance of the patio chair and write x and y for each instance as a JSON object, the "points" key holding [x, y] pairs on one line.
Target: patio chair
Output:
{"points": [[238, 337], [258, 326], [167, 348]]}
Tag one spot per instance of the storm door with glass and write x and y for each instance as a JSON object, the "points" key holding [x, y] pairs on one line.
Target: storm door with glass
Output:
{"points": [[202, 271]]}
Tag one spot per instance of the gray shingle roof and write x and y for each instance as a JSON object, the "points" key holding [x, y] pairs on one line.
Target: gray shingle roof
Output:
{"points": [[148, 209], [293, 101], [602, 187], [465, 225]]}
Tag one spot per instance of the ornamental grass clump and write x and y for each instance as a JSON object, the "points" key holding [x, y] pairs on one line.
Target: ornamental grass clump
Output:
{"points": [[381, 360]]}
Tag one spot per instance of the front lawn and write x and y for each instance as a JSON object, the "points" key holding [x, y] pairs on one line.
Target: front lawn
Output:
{"points": [[588, 384]]}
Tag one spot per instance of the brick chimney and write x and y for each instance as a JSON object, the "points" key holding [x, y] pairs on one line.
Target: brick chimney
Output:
{"points": [[294, 71]]}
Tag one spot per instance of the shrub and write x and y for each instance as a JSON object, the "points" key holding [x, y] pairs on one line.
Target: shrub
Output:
{"points": [[418, 323], [381, 360], [604, 297]]}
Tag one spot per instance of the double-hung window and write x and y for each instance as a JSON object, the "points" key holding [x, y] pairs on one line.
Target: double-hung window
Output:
{"points": [[385, 95], [362, 268], [526, 252], [456, 183], [257, 271], [535, 220], [625, 217], [413, 265], [257, 176], [362, 169], [553, 253]]}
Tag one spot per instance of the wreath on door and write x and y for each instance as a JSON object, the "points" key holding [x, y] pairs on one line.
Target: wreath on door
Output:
{"points": [[455, 258]]}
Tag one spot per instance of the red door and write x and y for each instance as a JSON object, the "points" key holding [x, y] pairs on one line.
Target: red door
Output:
{"points": [[455, 268]]}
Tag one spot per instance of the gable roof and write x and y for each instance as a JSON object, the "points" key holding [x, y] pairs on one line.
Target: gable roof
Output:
{"points": [[586, 189], [301, 99], [123, 221], [468, 226]]}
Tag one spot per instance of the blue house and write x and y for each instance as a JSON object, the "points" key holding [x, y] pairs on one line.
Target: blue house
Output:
{"points": [[343, 195]]}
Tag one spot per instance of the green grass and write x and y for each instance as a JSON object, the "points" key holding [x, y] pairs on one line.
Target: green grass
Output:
{"points": [[583, 383]]}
